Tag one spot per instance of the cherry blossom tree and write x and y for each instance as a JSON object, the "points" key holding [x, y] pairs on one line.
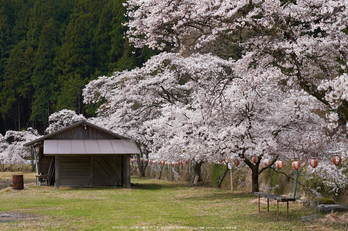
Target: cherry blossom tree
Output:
{"points": [[134, 97], [13, 151], [266, 103], [61, 119], [195, 108], [3, 146], [305, 40]]}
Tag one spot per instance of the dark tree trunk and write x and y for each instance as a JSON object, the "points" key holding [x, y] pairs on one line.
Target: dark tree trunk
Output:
{"points": [[222, 177], [160, 173], [32, 165], [142, 167], [197, 171], [141, 164], [255, 180], [254, 173]]}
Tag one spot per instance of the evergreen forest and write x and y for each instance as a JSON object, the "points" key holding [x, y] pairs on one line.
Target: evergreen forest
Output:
{"points": [[50, 49]]}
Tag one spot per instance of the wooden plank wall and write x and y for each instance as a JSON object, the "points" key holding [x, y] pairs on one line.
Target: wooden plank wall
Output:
{"points": [[46, 161], [75, 170], [107, 170], [97, 170]]}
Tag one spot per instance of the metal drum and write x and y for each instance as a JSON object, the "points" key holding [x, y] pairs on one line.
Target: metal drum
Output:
{"points": [[18, 182]]}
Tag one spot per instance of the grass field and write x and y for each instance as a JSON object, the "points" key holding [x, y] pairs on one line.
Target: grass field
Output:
{"points": [[152, 205]]}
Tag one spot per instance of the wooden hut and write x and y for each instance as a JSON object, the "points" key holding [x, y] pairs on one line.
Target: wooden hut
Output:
{"points": [[84, 154]]}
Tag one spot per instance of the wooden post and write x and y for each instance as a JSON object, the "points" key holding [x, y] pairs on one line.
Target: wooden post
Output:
{"points": [[40, 157], [127, 171], [267, 204], [91, 175], [259, 205], [277, 210], [231, 179], [57, 182], [287, 209]]}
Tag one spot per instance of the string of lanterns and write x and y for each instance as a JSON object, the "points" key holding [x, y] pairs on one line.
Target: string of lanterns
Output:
{"points": [[336, 160]]}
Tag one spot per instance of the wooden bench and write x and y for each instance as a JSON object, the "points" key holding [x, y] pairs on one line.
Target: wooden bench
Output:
{"points": [[278, 199]]}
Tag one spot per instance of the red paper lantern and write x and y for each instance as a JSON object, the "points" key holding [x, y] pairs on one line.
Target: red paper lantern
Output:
{"points": [[150, 161], [336, 160], [313, 163], [186, 162], [236, 162], [266, 162], [296, 165], [254, 159], [228, 161], [279, 164], [166, 163]]}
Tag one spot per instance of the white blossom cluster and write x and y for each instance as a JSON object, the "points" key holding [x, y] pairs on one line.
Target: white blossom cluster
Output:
{"points": [[336, 91], [12, 150], [333, 177], [61, 119]]}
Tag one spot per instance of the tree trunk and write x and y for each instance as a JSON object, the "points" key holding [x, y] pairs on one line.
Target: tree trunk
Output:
{"points": [[254, 173], [19, 117], [197, 171], [222, 177], [255, 180], [160, 173], [32, 165], [141, 168], [141, 165]]}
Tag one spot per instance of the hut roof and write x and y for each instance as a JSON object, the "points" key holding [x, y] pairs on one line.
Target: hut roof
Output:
{"points": [[80, 123]]}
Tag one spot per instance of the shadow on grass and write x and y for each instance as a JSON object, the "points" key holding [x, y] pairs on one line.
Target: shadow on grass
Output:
{"points": [[142, 186], [220, 196]]}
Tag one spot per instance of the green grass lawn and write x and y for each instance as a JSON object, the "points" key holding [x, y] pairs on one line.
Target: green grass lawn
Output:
{"points": [[153, 205]]}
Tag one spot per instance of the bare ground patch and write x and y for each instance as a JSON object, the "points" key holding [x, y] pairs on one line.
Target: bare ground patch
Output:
{"points": [[15, 217]]}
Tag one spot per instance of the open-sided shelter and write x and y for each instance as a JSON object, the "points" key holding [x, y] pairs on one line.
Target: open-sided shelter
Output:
{"points": [[84, 154]]}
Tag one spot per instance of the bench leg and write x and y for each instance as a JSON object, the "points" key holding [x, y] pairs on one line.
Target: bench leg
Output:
{"points": [[267, 204], [277, 210], [287, 209], [259, 204]]}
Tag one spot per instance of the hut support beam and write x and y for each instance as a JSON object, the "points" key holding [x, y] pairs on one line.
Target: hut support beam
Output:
{"points": [[57, 182], [126, 171], [91, 171]]}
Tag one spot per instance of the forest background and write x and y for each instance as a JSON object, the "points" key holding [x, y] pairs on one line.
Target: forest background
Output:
{"points": [[49, 51]]}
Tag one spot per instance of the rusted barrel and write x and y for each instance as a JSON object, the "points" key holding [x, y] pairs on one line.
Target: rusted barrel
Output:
{"points": [[18, 182]]}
